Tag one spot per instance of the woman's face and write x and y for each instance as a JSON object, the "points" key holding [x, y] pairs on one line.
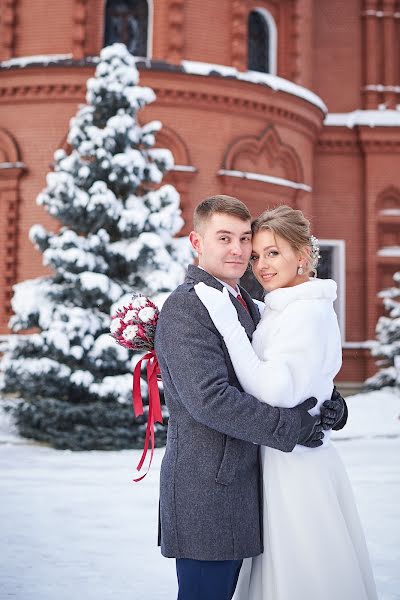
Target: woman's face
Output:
{"points": [[274, 261]]}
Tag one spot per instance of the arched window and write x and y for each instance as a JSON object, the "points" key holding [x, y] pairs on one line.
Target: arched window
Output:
{"points": [[261, 42], [127, 21]]}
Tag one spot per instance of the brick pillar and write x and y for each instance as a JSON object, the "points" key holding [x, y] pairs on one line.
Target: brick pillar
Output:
{"points": [[371, 49], [8, 20], [390, 61]]}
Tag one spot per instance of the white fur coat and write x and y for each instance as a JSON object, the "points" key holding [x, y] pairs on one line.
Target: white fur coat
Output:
{"points": [[297, 346]]}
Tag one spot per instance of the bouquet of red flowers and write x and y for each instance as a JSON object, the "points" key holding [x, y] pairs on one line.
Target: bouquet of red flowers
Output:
{"points": [[134, 327]]}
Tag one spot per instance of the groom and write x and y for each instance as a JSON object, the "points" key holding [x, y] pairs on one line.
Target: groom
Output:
{"points": [[210, 485]]}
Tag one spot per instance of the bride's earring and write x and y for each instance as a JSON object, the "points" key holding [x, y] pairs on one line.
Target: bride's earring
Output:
{"points": [[300, 270]]}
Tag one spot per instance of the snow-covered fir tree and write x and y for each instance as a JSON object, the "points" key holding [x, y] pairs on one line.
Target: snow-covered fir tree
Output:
{"points": [[387, 345], [116, 237]]}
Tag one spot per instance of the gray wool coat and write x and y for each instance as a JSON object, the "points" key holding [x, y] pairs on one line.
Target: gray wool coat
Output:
{"points": [[210, 485]]}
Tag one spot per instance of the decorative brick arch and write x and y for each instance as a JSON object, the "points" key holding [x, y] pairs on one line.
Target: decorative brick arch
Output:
{"points": [[11, 170], [389, 199], [9, 152], [168, 138], [268, 155], [165, 138], [183, 173]]}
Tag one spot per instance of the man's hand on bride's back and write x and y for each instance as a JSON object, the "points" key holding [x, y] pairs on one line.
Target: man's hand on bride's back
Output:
{"points": [[333, 411], [311, 434], [220, 308]]}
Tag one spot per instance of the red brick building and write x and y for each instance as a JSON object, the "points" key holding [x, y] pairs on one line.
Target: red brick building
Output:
{"points": [[251, 122]]}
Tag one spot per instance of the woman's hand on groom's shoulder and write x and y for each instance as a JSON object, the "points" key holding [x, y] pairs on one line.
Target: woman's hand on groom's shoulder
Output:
{"points": [[219, 306]]}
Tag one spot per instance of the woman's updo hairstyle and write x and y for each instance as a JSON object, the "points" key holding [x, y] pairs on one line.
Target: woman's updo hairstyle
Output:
{"points": [[291, 225]]}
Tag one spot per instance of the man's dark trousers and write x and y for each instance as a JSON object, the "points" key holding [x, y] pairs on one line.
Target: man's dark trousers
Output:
{"points": [[207, 579]]}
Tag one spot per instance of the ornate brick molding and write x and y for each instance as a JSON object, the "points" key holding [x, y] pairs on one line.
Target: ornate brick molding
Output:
{"points": [[378, 140], [294, 68], [239, 34], [42, 91], [338, 142], [8, 28], [80, 16], [11, 170], [270, 146], [176, 20], [223, 102]]}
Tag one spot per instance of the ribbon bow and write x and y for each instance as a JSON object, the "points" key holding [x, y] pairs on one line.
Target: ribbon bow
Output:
{"points": [[154, 415]]}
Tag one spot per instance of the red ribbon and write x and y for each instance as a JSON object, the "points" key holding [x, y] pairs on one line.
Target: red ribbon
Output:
{"points": [[154, 415]]}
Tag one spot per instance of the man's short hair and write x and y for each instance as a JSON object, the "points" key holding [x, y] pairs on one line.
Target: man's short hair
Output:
{"points": [[221, 204]]}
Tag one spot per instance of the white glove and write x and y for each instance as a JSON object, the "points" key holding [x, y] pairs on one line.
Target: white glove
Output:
{"points": [[220, 308]]}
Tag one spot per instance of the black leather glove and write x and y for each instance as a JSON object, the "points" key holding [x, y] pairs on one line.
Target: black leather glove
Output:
{"points": [[311, 434], [333, 411]]}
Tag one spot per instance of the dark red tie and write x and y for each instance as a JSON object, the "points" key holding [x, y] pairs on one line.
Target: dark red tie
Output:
{"points": [[242, 302]]}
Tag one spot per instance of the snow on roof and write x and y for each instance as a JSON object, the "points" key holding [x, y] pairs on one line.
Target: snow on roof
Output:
{"points": [[12, 165], [187, 168], [40, 59], [187, 66], [389, 251], [368, 118], [273, 81], [394, 212], [267, 179]]}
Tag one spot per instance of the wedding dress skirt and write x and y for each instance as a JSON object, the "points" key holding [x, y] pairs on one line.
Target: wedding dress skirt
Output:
{"points": [[314, 546]]}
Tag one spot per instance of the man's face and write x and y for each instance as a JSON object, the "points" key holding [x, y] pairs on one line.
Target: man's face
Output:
{"points": [[223, 245]]}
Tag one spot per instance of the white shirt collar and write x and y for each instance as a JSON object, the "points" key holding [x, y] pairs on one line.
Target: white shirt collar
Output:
{"points": [[233, 291]]}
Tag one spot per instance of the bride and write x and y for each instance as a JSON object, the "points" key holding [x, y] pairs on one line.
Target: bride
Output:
{"points": [[314, 546]]}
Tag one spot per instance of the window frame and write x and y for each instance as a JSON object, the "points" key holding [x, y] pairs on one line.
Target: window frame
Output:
{"points": [[339, 275], [273, 37], [150, 12]]}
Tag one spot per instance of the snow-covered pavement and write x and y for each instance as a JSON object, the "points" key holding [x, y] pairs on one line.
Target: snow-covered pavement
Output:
{"points": [[74, 526]]}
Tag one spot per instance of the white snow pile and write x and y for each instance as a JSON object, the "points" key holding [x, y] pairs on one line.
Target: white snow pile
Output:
{"points": [[74, 524], [272, 81], [372, 414], [367, 118]]}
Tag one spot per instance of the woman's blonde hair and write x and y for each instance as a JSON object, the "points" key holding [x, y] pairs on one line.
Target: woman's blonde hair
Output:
{"points": [[291, 225]]}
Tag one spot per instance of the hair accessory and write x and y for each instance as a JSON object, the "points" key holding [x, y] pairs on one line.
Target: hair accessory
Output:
{"points": [[314, 254]]}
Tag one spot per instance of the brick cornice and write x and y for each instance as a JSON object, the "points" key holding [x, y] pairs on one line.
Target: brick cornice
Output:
{"points": [[234, 103], [43, 91], [218, 100], [359, 139], [338, 140], [172, 86], [379, 140]]}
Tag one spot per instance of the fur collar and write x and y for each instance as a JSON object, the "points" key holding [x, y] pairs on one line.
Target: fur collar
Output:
{"points": [[321, 289]]}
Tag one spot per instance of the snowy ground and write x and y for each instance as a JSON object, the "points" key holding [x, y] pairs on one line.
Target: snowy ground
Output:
{"points": [[73, 526]]}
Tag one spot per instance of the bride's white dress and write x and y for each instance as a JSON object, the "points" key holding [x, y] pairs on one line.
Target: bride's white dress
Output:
{"points": [[314, 546]]}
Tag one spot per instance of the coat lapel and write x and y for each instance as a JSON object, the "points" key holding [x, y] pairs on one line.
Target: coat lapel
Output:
{"points": [[248, 319]]}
